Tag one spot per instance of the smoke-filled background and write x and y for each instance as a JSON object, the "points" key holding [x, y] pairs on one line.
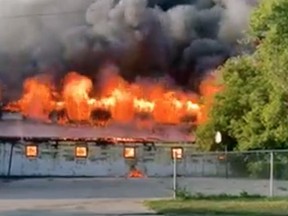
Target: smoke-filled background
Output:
{"points": [[182, 39]]}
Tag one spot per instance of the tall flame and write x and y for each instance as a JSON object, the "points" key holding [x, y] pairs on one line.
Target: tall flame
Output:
{"points": [[76, 96], [208, 89], [36, 101], [116, 99]]}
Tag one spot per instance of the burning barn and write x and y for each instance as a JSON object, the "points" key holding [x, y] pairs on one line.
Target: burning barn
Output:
{"points": [[122, 130], [38, 149], [30, 148], [114, 89], [107, 128]]}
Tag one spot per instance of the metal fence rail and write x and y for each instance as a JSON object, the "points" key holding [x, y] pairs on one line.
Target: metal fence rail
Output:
{"points": [[255, 172]]}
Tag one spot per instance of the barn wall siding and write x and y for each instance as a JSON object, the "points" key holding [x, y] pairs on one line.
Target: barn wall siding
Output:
{"points": [[105, 161]]}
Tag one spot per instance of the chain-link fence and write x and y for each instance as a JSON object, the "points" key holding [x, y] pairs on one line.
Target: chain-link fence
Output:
{"points": [[253, 172]]}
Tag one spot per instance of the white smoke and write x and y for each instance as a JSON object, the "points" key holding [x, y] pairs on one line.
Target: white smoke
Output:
{"points": [[26, 23], [235, 20]]}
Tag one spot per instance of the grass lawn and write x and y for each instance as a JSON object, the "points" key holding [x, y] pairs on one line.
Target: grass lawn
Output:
{"points": [[221, 207]]}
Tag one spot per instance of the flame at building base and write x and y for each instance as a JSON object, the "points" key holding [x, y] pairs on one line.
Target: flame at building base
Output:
{"points": [[136, 173]]}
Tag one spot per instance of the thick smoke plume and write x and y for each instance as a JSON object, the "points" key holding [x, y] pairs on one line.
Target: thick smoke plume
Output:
{"points": [[181, 39]]}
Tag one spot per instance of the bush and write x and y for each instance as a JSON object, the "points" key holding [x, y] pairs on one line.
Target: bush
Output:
{"points": [[258, 165], [183, 193], [259, 169]]}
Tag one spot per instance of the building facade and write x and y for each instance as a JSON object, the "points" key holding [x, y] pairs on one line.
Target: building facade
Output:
{"points": [[91, 159]]}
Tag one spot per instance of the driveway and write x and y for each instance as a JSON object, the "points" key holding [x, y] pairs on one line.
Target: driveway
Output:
{"points": [[78, 197]]}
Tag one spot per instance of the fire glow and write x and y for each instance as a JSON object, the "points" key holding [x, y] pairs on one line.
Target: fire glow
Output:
{"points": [[135, 173], [116, 100]]}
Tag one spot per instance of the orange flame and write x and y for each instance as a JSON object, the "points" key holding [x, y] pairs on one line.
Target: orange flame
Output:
{"points": [[76, 96], [123, 101], [208, 88], [37, 99], [135, 173]]}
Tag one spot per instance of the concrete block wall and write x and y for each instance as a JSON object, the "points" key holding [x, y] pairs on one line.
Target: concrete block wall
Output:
{"points": [[103, 161]]}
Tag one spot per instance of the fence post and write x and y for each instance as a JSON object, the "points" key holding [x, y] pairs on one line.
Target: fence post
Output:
{"points": [[175, 176], [271, 187], [226, 162]]}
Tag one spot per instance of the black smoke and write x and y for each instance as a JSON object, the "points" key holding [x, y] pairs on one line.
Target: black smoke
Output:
{"points": [[184, 39]]}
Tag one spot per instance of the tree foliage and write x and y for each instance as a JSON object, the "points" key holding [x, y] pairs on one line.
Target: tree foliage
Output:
{"points": [[251, 111]]}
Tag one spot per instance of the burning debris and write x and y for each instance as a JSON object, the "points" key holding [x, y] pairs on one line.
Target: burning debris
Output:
{"points": [[135, 173]]}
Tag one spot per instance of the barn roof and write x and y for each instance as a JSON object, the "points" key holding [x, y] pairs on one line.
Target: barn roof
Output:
{"points": [[27, 129]]}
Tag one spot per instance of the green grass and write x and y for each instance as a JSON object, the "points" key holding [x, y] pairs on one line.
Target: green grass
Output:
{"points": [[222, 207], [184, 194]]}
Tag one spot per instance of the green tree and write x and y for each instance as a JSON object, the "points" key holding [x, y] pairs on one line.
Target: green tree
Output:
{"points": [[252, 108], [269, 22]]}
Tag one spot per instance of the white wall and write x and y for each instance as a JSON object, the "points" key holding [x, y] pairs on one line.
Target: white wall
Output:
{"points": [[108, 162]]}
